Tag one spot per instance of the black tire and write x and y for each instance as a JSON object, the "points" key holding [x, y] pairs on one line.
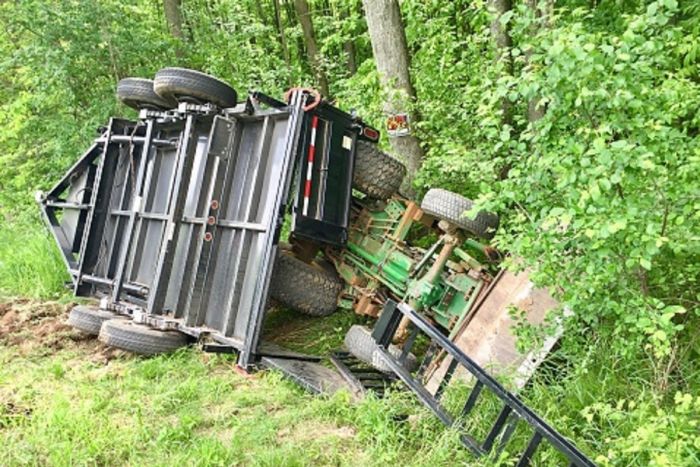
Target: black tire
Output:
{"points": [[377, 174], [360, 343], [311, 289], [140, 339], [185, 85], [89, 319], [138, 93], [451, 207]]}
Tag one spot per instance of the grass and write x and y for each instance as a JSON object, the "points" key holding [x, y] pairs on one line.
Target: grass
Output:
{"points": [[190, 408], [30, 264], [63, 402]]}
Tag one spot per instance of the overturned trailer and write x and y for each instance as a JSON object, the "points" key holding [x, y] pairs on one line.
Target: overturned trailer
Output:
{"points": [[173, 221], [175, 218]]}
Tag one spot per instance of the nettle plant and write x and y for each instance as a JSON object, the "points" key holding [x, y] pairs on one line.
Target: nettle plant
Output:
{"points": [[602, 192]]}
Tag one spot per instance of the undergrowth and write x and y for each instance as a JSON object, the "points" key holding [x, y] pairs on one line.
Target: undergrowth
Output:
{"points": [[30, 264]]}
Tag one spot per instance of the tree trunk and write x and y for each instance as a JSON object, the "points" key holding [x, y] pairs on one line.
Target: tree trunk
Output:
{"points": [[173, 16], [503, 43], [388, 39], [504, 59], [542, 12], [349, 47], [283, 39], [307, 26], [349, 44]]}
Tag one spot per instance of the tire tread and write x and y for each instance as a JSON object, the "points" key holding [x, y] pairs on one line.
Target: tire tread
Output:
{"points": [[377, 174], [451, 207], [304, 287]]}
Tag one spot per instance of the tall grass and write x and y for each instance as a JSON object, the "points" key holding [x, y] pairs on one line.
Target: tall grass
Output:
{"points": [[30, 263]]}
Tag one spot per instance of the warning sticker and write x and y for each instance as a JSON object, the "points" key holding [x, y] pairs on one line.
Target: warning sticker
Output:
{"points": [[347, 142], [398, 125]]}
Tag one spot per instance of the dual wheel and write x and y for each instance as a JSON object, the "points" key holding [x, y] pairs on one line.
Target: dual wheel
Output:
{"points": [[172, 85], [117, 331], [377, 174]]}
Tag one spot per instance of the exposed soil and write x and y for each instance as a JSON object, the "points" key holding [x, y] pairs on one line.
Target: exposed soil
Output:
{"points": [[314, 430], [39, 328]]}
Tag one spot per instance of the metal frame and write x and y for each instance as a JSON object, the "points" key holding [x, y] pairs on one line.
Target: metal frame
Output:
{"points": [[513, 409], [360, 376], [174, 219]]}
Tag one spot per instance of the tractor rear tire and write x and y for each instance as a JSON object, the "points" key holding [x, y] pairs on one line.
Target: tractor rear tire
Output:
{"points": [[140, 339], [451, 207], [377, 174], [311, 289], [184, 85], [138, 94], [89, 319], [360, 343]]}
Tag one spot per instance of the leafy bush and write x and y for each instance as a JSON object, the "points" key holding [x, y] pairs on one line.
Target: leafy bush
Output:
{"points": [[659, 436], [606, 183]]}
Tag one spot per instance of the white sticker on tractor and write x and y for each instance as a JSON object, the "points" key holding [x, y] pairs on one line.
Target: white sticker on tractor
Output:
{"points": [[347, 142]]}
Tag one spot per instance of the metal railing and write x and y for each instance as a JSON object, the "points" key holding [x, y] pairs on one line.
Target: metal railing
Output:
{"points": [[512, 411]]}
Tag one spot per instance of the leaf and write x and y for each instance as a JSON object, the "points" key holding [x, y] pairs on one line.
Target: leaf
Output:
{"points": [[505, 17]]}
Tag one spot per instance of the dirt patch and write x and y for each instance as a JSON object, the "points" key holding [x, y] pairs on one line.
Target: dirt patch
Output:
{"points": [[311, 431], [34, 327]]}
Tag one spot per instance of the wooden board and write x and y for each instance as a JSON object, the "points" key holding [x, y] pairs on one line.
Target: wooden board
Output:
{"points": [[487, 337]]}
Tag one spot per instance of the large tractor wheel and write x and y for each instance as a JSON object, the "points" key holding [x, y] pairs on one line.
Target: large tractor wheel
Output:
{"points": [[360, 343], [140, 339], [377, 174], [181, 84], [138, 94], [89, 319], [311, 289], [451, 207]]}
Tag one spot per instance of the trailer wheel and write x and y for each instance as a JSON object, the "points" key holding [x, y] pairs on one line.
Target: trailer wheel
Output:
{"points": [[185, 85], [89, 319], [451, 207], [138, 93], [377, 174], [311, 289], [140, 339], [360, 343]]}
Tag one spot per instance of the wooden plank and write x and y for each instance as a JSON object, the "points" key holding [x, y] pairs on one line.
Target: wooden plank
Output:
{"points": [[487, 337]]}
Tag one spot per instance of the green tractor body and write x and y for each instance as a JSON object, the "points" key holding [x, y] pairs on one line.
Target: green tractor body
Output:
{"points": [[443, 281]]}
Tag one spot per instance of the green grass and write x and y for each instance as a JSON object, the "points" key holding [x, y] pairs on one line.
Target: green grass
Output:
{"points": [[189, 409], [62, 404], [30, 264]]}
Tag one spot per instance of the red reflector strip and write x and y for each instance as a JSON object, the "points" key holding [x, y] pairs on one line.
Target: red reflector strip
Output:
{"points": [[310, 165], [371, 133]]}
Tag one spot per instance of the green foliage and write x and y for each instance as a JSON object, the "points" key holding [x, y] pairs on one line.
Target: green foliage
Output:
{"points": [[60, 62], [658, 436], [606, 184], [30, 264]]}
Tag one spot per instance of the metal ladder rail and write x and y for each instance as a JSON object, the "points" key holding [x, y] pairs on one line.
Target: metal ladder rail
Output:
{"points": [[511, 413]]}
